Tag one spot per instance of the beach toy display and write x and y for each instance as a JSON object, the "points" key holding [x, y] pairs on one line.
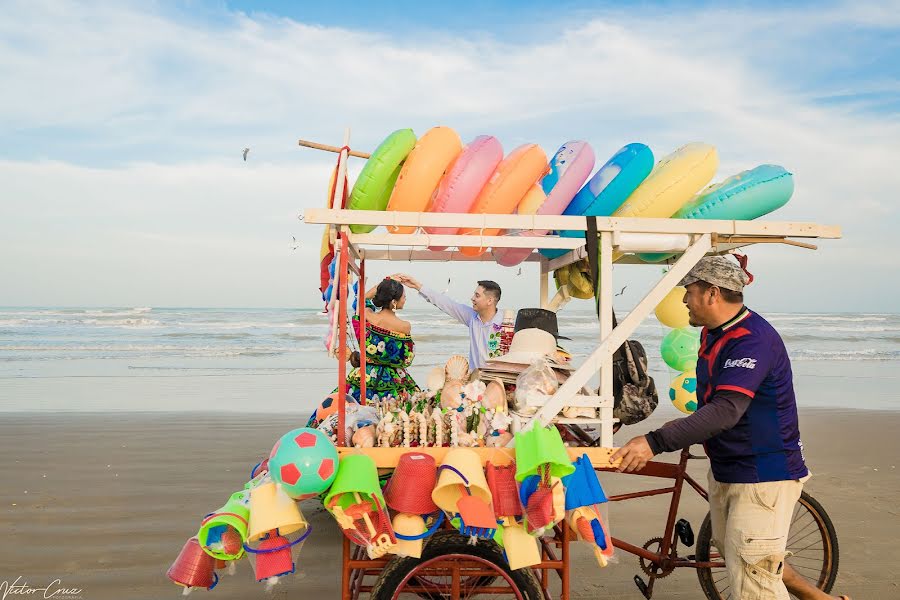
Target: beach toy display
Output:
{"points": [[503, 192], [462, 492], [584, 495], [272, 509], [679, 349], [222, 534], [357, 504], [303, 462], [464, 180], [426, 164], [540, 456], [274, 555], [375, 183], [193, 568], [610, 186], [683, 392], [569, 168], [409, 493]]}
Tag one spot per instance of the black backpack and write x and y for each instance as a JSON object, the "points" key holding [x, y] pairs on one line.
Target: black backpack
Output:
{"points": [[633, 389]]}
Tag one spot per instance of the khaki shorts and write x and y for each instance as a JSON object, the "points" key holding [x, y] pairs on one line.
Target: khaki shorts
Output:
{"points": [[750, 523]]}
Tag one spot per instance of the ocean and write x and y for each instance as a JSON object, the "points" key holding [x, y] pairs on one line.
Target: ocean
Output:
{"points": [[273, 360]]}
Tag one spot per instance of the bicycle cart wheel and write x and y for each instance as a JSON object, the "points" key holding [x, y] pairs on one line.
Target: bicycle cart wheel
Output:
{"points": [[451, 569], [811, 538]]}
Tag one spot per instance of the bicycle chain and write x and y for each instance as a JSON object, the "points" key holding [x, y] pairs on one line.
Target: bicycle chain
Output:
{"points": [[647, 566]]}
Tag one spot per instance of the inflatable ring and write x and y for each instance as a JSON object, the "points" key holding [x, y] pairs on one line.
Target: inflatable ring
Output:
{"points": [[372, 189], [569, 168], [672, 183], [508, 185], [745, 196], [609, 187], [465, 178], [422, 172]]}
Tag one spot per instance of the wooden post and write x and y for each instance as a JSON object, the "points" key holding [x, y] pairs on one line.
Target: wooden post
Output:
{"points": [[342, 335], [606, 327], [361, 306]]}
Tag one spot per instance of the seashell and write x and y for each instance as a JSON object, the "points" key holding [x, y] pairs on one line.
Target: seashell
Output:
{"points": [[499, 441], [494, 395], [364, 437], [435, 380], [457, 368], [451, 396]]}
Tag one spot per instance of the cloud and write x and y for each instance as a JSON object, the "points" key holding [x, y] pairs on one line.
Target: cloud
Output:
{"points": [[127, 123]]}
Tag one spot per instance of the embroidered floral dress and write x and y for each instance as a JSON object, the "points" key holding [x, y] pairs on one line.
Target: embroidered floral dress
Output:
{"points": [[388, 354]]}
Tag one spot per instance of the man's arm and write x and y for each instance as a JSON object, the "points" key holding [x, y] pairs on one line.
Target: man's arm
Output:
{"points": [[721, 413], [460, 312]]}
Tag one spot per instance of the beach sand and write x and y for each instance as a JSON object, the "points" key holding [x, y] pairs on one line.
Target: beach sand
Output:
{"points": [[104, 503]]}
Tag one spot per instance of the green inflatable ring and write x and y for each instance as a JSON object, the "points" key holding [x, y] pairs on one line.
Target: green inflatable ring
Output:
{"points": [[373, 188]]}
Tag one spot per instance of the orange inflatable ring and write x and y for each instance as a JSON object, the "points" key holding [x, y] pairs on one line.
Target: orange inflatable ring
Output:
{"points": [[513, 179], [426, 164]]}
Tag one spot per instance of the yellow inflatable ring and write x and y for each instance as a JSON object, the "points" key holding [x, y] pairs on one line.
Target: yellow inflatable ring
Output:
{"points": [[432, 156], [373, 188], [509, 184], [672, 182]]}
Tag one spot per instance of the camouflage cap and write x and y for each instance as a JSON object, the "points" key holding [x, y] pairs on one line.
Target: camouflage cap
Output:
{"points": [[720, 271]]}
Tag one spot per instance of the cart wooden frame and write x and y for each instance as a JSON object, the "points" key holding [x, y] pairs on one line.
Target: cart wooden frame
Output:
{"points": [[620, 239]]}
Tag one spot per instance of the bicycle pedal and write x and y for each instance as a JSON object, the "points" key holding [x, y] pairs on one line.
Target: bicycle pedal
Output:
{"points": [[642, 586], [685, 532]]}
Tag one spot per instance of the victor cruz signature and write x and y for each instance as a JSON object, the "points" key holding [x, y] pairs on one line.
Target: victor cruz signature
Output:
{"points": [[54, 589]]}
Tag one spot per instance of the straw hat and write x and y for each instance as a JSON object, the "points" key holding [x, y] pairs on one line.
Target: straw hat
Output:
{"points": [[271, 508], [409, 489], [451, 487], [529, 345]]}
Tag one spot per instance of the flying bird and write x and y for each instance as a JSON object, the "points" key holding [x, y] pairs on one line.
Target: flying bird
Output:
{"points": [[246, 152], [520, 272], [294, 244], [622, 292]]}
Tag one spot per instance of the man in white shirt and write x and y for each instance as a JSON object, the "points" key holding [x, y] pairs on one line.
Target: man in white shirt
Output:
{"points": [[481, 317]]}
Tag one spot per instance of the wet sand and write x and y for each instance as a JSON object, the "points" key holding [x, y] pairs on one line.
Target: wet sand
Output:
{"points": [[105, 502]]}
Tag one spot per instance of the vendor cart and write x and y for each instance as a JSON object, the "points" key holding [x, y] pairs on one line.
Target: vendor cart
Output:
{"points": [[452, 568]]}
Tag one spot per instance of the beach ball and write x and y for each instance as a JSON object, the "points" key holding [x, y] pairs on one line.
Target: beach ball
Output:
{"points": [[679, 348], [683, 392], [304, 462], [672, 312]]}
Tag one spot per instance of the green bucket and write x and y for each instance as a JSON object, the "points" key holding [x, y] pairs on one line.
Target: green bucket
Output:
{"points": [[215, 535], [356, 473], [539, 446]]}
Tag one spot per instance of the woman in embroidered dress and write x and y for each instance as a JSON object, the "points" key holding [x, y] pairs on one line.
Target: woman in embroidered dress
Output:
{"points": [[388, 345]]}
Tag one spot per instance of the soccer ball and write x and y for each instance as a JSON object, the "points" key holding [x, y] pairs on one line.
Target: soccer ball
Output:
{"points": [[679, 348], [304, 462], [329, 406], [683, 392]]}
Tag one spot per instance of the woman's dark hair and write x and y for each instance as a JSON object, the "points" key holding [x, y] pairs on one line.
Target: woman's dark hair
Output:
{"points": [[491, 288], [387, 291]]}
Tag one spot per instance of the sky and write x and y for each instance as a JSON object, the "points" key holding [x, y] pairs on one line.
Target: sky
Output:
{"points": [[122, 181]]}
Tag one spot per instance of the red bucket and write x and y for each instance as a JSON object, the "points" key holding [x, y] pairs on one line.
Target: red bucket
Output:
{"points": [[193, 567], [409, 489], [504, 490]]}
